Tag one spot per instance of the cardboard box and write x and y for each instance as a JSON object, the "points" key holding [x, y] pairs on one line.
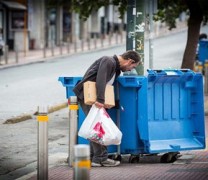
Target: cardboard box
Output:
{"points": [[90, 94]]}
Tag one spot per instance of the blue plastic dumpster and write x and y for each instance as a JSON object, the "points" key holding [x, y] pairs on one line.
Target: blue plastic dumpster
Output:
{"points": [[162, 113], [203, 50]]}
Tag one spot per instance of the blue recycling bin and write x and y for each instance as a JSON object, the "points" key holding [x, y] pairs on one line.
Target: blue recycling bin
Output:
{"points": [[163, 112], [203, 50], [159, 113]]}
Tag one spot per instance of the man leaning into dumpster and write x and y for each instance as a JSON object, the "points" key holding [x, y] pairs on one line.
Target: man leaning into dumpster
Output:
{"points": [[104, 71]]}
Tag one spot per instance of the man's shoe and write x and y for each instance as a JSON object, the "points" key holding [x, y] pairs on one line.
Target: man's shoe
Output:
{"points": [[110, 163], [93, 164]]}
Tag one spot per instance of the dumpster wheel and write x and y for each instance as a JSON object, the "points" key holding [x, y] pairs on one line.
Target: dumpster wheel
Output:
{"points": [[169, 157], [134, 159]]}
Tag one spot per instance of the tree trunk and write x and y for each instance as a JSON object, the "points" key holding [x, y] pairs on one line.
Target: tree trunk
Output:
{"points": [[194, 25]]}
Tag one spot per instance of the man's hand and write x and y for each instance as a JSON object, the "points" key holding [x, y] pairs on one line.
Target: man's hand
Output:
{"points": [[99, 105]]}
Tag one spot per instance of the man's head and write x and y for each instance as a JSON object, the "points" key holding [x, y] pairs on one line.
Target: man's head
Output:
{"points": [[129, 60]]}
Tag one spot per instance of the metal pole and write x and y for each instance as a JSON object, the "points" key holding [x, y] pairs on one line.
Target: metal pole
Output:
{"points": [[117, 37], [82, 164], [68, 47], [42, 143], [130, 34], [88, 43], [52, 48], [200, 67], [73, 107], [75, 45], [61, 52], [118, 113], [101, 40], [82, 44], [109, 36], [16, 54], [95, 41], [150, 34], [44, 50], [139, 33], [206, 77], [6, 54]]}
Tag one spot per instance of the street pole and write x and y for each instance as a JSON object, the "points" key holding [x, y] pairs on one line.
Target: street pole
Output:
{"points": [[152, 8], [139, 33], [151, 34], [135, 30], [130, 38]]}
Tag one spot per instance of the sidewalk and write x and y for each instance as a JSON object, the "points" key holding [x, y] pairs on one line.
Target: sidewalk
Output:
{"points": [[190, 165]]}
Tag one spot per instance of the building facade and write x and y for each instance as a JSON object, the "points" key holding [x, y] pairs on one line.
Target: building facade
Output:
{"points": [[33, 24]]}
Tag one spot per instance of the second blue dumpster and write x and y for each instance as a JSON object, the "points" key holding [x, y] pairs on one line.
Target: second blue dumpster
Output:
{"points": [[162, 113], [203, 51]]}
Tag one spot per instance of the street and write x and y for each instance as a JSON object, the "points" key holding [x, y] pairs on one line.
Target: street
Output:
{"points": [[25, 88]]}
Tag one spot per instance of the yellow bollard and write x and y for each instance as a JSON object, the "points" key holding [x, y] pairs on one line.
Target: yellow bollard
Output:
{"points": [[82, 163], [73, 108], [42, 119], [200, 67]]}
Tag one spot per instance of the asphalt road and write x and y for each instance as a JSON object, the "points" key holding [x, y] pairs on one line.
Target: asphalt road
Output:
{"points": [[25, 88]]}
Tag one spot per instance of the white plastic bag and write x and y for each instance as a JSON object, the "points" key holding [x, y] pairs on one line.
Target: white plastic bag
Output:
{"points": [[99, 127]]}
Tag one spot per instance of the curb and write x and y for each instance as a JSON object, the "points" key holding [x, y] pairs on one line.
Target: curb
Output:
{"points": [[18, 119], [51, 109], [25, 117], [49, 58]]}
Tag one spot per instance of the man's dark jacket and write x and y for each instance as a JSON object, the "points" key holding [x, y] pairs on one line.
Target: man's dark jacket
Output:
{"points": [[101, 71]]}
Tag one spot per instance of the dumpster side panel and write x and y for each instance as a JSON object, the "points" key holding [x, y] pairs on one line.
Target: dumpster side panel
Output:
{"points": [[128, 92], [175, 113]]}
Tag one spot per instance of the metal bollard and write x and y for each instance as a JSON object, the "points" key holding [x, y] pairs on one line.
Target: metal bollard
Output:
{"points": [[82, 164], [88, 44], [61, 48], [6, 54], [75, 46], [116, 37], [206, 77], [44, 50], [82, 45], [109, 37], [121, 37], [95, 41], [42, 119], [68, 47], [52, 48], [16, 54], [102, 39], [73, 107], [200, 67]]}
